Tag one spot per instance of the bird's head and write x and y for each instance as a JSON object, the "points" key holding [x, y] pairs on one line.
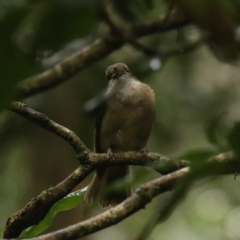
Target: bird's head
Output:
{"points": [[117, 70]]}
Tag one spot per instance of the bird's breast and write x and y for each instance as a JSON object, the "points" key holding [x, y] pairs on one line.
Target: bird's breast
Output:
{"points": [[128, 120]]}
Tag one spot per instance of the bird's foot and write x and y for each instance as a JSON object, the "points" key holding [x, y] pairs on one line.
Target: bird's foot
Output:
{"points": [[110, 153]]}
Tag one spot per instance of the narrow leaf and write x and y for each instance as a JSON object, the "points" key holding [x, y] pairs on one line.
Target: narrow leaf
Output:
{"points": [[71, 201]]}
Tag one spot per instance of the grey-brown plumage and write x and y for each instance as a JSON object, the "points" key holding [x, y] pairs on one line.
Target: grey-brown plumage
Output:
{"points": [[125, 126]]}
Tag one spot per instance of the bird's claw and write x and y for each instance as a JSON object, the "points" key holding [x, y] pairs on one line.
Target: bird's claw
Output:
{"points": [[110, 153], [144, 151]]}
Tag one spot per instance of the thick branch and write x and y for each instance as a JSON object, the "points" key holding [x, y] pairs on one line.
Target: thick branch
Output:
{"points": [[158, 162], [215, 165], [116, 214], [140, 199], [98, 50], [38, 207]]}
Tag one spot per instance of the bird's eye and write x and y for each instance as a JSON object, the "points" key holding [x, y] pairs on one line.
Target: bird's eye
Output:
{"points": [[127, 70]]}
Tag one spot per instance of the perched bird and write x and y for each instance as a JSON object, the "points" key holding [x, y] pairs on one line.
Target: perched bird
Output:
{"points": [[125, 126]]}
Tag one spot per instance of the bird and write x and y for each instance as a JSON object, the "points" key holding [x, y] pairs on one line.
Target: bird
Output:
{"points": [[124, 126]]}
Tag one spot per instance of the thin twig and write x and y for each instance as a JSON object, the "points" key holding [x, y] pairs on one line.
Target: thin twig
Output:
{"points": [[125, 35], [48, 124], [171, 6]]}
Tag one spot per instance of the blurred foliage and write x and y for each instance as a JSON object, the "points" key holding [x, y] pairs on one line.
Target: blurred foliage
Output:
{"points": [[51, 24], [14, 64], [198, 156], [133, 10], [221, 19], [212, 130], [197, 99], [30, 31]]}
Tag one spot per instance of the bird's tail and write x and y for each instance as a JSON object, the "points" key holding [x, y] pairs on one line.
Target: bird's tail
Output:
{"points": [[98, 189]]}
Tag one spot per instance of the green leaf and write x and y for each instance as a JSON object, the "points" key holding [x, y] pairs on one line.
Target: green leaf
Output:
{"points": [[14, 64], [72, 200], [51, 24]]}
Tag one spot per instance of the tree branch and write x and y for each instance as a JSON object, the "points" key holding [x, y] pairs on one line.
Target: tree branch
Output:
{"points": [[46, 123], [158, 162], [125, 35], [215, 165], [91, 54], [38, 207], [137, 201], [218, 165]]}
